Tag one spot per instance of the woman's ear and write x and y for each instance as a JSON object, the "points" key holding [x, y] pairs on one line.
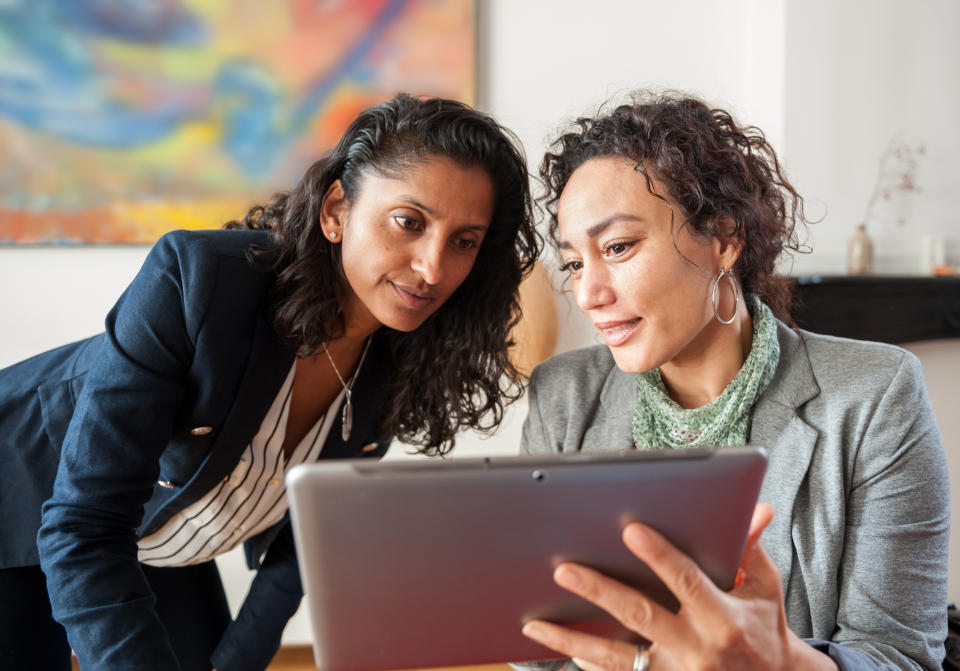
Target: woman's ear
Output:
{"points": [[333, 209], [728, 243]]}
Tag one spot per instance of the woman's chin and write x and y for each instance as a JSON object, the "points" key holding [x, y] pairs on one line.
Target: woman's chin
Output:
{"points": [[404, 322], [631, 362], [634, 359]]}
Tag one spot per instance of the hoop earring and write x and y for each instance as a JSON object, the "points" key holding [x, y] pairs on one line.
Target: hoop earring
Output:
{"points": [[736, 296]]}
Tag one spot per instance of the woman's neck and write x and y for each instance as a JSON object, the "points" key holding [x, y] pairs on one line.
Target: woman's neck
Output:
{"points": [[699, 374], [358, 325]]}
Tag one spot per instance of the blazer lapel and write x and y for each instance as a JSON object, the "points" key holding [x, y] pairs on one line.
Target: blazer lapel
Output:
{"points": [[266, 369], [789, 441]]}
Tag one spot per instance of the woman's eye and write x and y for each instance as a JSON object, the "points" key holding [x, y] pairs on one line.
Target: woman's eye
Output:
{"points": [[617, 248], [571, 267], [467, 243], [408, 223]]}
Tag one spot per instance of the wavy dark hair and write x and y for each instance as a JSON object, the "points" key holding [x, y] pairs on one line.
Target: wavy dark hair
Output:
{"points": [[453, 371], [712, 167]]}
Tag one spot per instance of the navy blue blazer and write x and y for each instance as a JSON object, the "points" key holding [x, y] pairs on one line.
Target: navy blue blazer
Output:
{"points": [[104, 421]]}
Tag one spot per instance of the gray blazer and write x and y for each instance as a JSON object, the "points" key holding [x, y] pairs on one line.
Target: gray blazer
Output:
{"points": [[857, 475]]}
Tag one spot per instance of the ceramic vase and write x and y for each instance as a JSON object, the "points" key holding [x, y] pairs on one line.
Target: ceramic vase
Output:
{"points": [[860, 252]]}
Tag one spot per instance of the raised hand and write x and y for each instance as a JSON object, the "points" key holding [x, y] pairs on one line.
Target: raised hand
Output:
{"points": [[745, 628]]}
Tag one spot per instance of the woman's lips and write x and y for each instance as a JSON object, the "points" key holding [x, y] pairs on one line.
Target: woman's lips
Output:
{"points": [[617, 333], [411, 298]]}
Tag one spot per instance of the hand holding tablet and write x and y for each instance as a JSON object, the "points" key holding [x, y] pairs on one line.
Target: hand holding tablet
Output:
{"points": [[754, 606]]}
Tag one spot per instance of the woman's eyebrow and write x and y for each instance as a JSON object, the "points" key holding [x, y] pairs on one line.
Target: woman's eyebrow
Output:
{"points": [[410, 200], [602, 225], [416, 203]]}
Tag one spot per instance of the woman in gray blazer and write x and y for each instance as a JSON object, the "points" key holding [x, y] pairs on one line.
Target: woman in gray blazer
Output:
{"points": [[669, 217]]}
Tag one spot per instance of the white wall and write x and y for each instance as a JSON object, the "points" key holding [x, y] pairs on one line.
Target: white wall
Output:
{"points": [[543, 62], [860, 72], [52, 296]]}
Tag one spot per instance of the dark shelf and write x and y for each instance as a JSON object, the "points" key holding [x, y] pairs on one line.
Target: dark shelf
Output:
{"points": [[893, 309]]}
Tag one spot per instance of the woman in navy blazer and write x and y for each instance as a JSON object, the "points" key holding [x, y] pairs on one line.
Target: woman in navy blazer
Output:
{"points": [[396, 259]]}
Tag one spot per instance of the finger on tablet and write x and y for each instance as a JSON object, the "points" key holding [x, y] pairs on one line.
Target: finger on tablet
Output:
{"points": [[589, 652], [633, 609], [679, 573]]}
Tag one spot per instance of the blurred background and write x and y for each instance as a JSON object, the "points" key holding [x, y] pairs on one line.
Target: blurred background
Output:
{"points": [[128, 119], [119, 120]]}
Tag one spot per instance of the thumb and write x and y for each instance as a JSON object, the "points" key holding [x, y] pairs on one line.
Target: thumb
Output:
{"points": [[762, 516], [757, 570]]}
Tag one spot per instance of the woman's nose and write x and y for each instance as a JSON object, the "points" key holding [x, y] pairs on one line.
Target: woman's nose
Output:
{"points": [[428, 261], [592, 288]]}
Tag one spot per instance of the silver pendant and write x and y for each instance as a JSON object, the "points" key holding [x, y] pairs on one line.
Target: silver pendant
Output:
{"points": [[346, 414], [346, 419]]}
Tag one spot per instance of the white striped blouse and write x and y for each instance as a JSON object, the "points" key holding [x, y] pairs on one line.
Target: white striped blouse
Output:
{"points": [[251, 499]]}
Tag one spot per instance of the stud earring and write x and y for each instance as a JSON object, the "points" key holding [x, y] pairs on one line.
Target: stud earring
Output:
{"points": [[333, 235]]}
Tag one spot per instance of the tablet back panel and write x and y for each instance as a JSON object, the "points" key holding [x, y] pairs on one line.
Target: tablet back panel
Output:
{"points": [[439, 563]]}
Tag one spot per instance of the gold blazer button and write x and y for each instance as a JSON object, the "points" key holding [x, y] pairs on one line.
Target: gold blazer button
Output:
{"points": [[369, 447], [166, 483], [200, 430]]}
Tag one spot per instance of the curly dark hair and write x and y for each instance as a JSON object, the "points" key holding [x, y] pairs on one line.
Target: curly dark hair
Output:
{"points": [[712, 167], [453, 371]]}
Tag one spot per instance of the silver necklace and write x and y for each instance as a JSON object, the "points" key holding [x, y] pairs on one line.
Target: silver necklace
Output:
{"points": [[346, 414]]}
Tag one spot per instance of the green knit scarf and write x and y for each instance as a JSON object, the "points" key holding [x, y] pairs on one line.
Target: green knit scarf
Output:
{"points": [[658, 422]]}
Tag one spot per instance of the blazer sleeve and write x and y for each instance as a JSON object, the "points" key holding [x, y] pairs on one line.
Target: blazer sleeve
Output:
{"points": [[110, 462], [893, 576], [253, 638]]}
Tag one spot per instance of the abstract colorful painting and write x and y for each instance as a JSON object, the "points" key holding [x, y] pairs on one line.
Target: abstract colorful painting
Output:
{"points": [[123, 119]]}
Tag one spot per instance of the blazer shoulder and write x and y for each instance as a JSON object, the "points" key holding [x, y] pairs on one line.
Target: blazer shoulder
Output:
{"points": [[202, 260], [844, 363], [580, 372], [190, 244], [198, 275], [579, 400]]}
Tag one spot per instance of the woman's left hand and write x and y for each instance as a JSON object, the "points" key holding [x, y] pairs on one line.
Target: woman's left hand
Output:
{"points": [[745, 628]]}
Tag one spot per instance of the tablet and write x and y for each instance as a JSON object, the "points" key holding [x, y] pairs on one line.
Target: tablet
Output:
{"points": [[434, 562]]}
